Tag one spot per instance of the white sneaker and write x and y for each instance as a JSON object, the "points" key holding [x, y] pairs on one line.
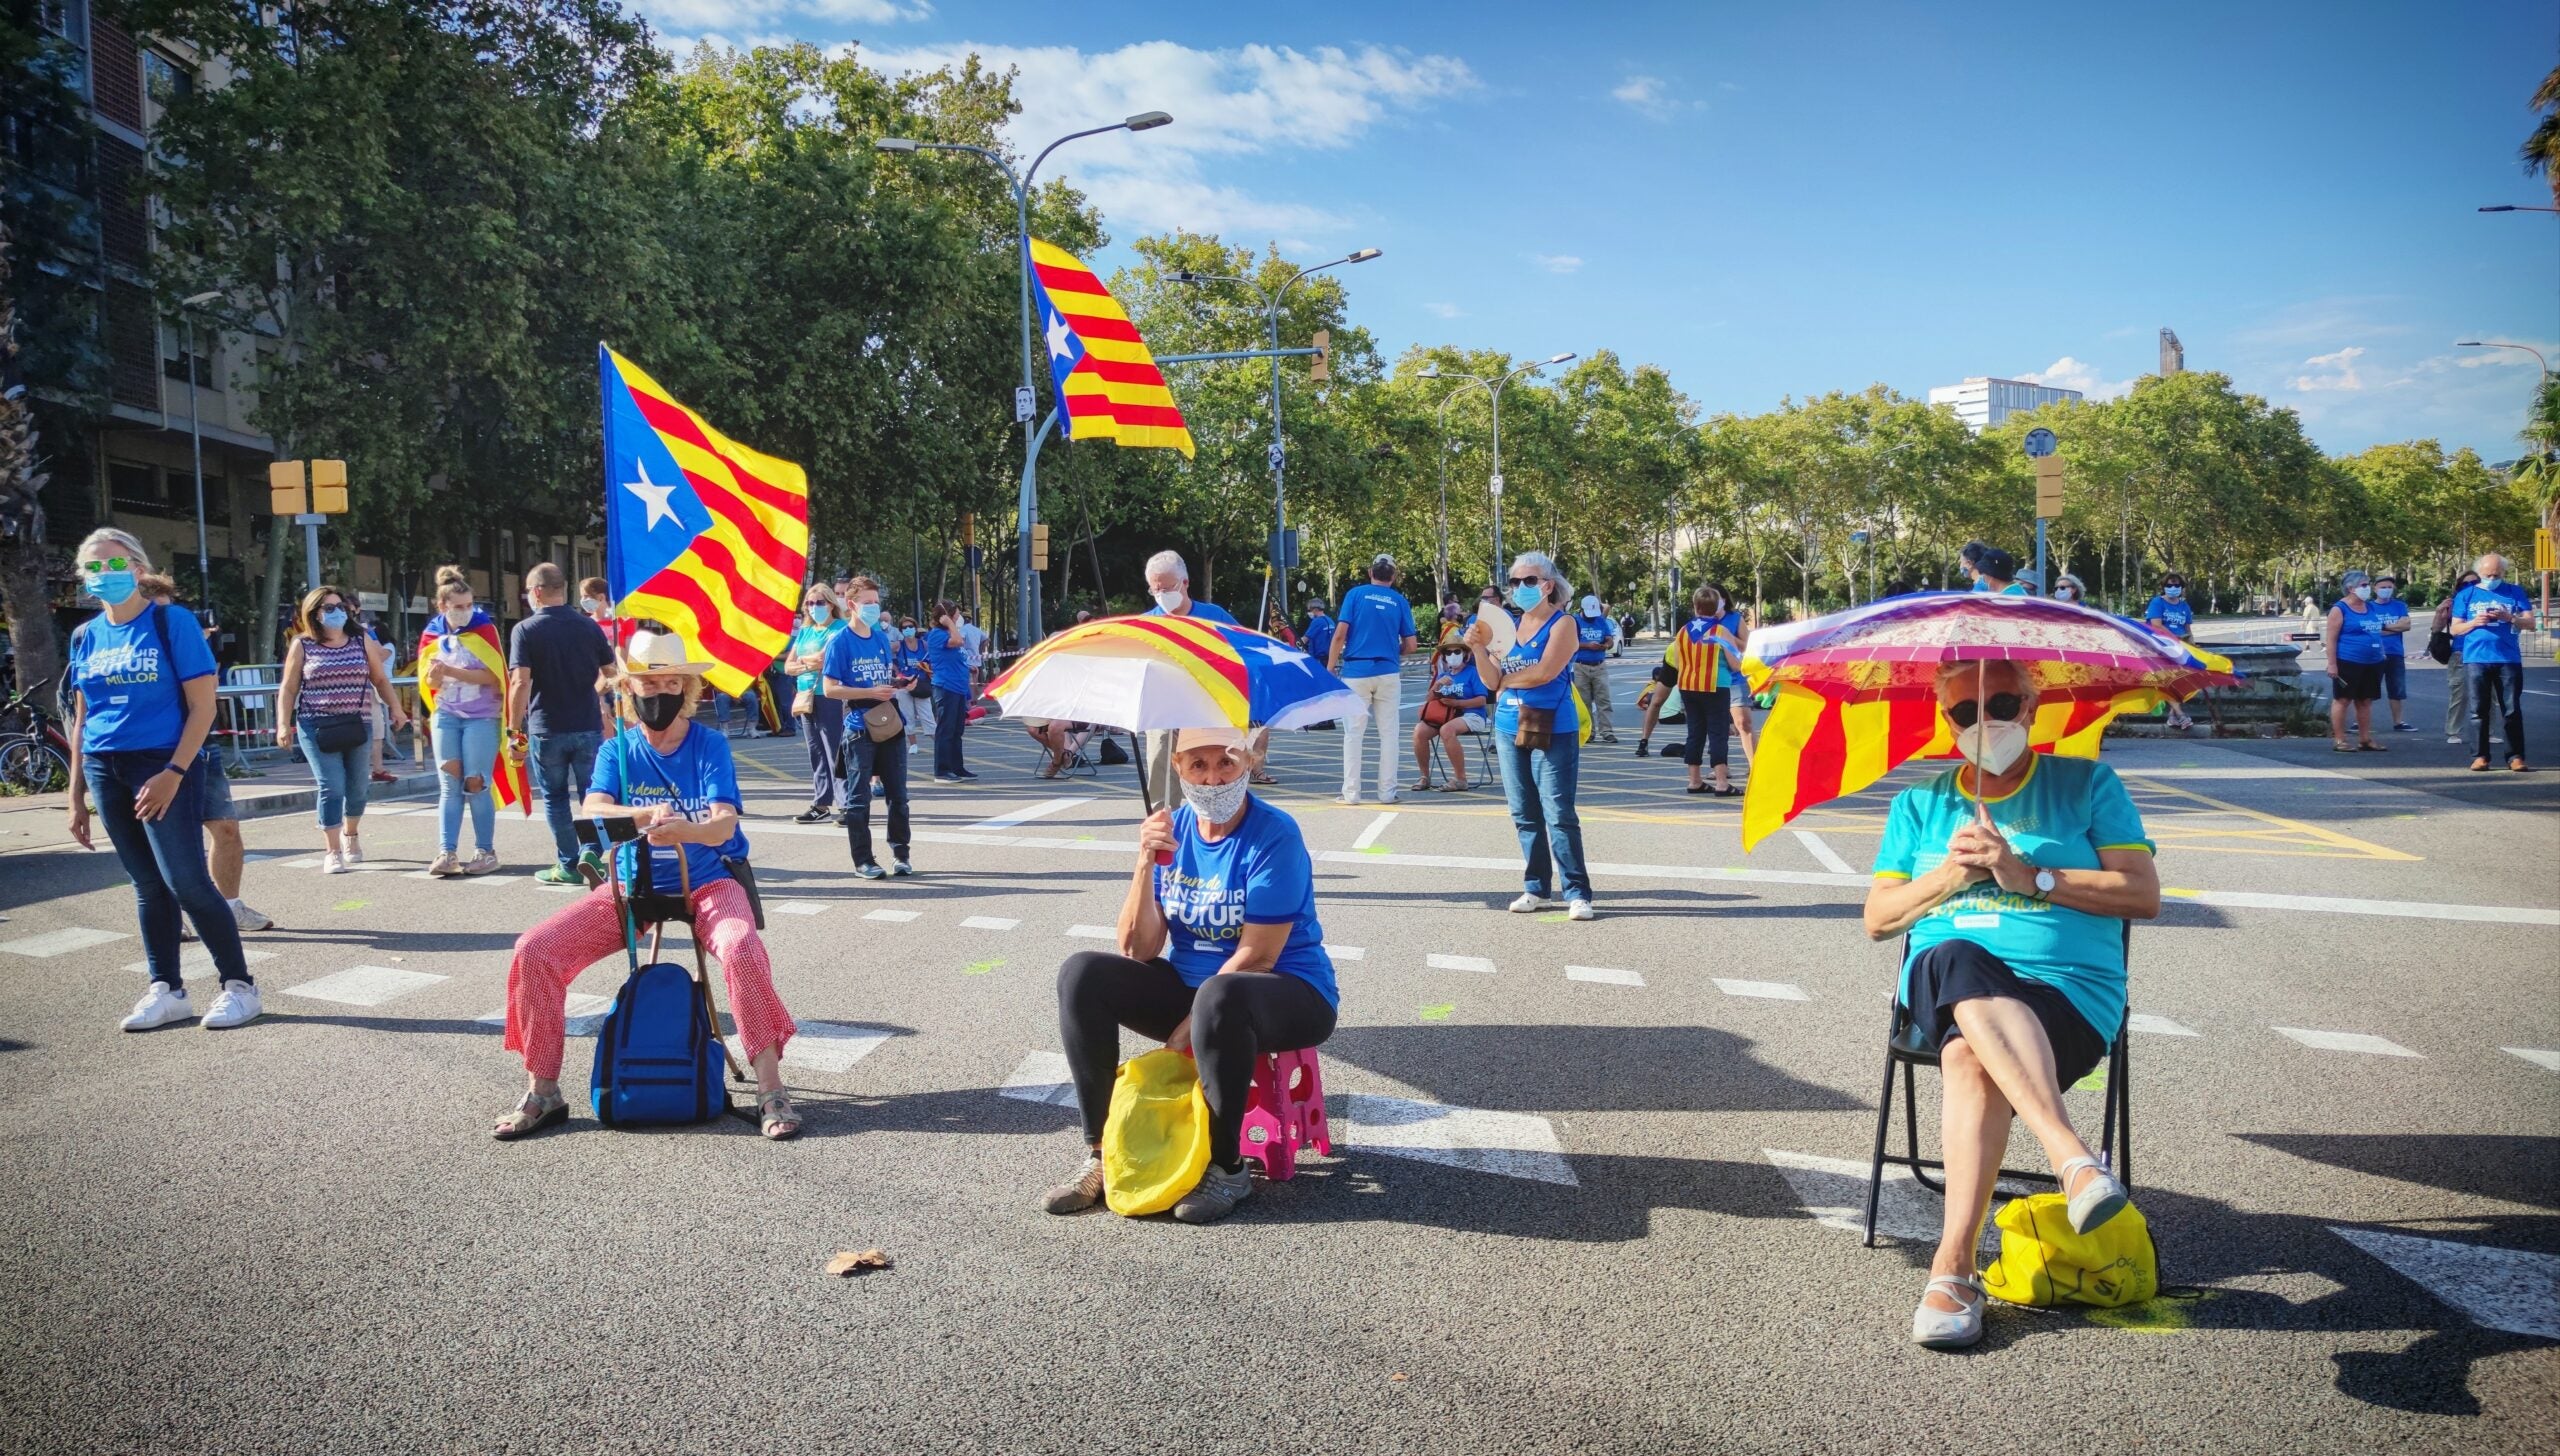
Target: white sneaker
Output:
{"points": [[248, 919], [1528, 904], [481, 863], [236, 1006], [445, 866], [354, 853], [333, 863], [1580, 910], [1346, 798], [159, 1006], [1392, 796]]}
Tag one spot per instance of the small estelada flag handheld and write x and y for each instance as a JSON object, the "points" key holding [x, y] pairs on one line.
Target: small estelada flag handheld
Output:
{"points": [[1108, 385], [473, 645], [702, 534]]}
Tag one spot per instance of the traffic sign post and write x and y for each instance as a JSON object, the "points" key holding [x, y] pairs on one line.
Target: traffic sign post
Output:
{"points": [[2040, 446], [309, 492]]}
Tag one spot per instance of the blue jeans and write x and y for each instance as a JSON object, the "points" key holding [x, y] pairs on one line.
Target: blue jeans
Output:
{"points": [[950, 720], [562, 765], [1539, 785], [2395, 679], [345, 776], [473, 744], [2497, 691], [824, 728], [164, 858], [862, 759]]}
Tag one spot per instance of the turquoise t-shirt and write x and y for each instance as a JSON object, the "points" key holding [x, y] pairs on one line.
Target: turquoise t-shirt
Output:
{"points": [[1258, 875], [2066, 811], [810, 640]]}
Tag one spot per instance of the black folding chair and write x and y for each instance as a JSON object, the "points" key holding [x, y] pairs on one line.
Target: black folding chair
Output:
{"points": [[1907, 1047]]}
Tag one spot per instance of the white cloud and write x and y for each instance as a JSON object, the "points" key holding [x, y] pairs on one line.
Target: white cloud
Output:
{"points": [[1445, 310], [1650, 96], [2069, 373], [1557, 262], [696, 17], [1227, 103], [2338, 371]]}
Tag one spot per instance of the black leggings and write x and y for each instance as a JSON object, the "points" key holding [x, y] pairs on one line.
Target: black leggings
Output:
{"points": [[1234, 1020], [1710, 721]]}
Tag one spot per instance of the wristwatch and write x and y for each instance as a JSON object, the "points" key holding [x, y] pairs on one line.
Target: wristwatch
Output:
{"points": [[177, 768], [2044, 884]]}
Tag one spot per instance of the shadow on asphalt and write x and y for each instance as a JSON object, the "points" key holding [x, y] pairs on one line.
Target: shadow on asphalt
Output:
{"points": [[1582, 1068], [2510, 1169], [48, 874]]}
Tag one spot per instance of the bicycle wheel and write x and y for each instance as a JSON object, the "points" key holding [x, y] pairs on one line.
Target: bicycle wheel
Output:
{"points": [[29, 767]]}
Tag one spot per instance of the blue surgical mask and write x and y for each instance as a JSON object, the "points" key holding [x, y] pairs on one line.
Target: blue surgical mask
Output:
{"points": [[2362, 593], [820, 611], [869, 612], [2173, 592], [114, 588], [1527, 597], [2386, 592], [2491, 581], [333, 620]]}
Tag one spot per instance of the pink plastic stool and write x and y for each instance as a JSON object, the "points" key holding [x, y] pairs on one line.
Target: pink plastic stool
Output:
{"points": [[1285, 1112]]}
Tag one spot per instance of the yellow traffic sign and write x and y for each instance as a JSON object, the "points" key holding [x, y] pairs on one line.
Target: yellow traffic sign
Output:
{"points": [[307, 488], [2543, 552], [287, 495], [329, 487]]}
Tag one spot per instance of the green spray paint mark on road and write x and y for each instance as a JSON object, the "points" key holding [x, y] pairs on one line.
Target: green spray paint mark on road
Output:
{"points": [[980, 968], [351, 904], [2166, 1314], [2096, 1081], [1439, 1012], [1557, 918], [1377, 849]]}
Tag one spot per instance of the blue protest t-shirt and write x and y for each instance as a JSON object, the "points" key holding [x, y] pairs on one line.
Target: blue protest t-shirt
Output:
{"points": [[2394, 612], [2360, 635], [698, 775], [2490, 641], [1463, 684], [946, 656], [2178, 616], [1556, 692], [1258, 875], [1319, 638], [1203, 611], [856, 661], [1375, 621], [2059, 819], [133, 699], [809, 638], [1595, 633]]}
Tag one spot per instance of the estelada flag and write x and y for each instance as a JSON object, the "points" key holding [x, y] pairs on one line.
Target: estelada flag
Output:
{"points": [[702, 534], [1108, 385], [479, 639]]}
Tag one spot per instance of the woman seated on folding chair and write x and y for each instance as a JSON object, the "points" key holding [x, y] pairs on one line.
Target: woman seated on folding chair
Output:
{"points": [[2012, 876], [1453, 708], [681, 785], [1220, 956], [1061, 740]]}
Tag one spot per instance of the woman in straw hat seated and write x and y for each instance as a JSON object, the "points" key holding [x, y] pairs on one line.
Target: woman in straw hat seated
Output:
{"points": [[680, 784], [1220, 955]]}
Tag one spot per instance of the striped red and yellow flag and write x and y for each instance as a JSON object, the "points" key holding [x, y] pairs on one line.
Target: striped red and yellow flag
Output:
{"points": [[1107, 383], [703, 534], [479, 640]]}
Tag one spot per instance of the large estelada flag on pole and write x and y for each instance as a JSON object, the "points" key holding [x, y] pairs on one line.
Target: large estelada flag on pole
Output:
{"points": [[1108, 385], [703, 534]]}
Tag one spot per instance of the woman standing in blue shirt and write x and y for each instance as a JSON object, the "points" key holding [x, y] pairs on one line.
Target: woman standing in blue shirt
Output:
{"points": [[946, 655], [2354, 636], [861, 669], [1538, 735], [807, 658], [142, 694]]}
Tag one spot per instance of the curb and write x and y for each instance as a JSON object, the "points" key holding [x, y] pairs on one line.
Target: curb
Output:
{"points": [[269, 803]]}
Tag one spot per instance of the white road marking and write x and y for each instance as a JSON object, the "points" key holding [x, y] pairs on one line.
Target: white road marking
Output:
{"points": [[2336, 905], [893, 917], [1093, 932], [2539, 693], [307, 862], [1029, 812], [1369, 835], [2547, 1061], [799, 907], [2159, 1025], [62, 942], [2270, 772], [582, 1015], [1041, 1077], [2345, 1041], [1763, 990], [1834, 1192], [1513, 1144], [1347, 952], [824, 1046], [988, 922], [364, 985], [1603, 975], [1459, 963], [195, 960], [1824, 854], [2502, 1289]]}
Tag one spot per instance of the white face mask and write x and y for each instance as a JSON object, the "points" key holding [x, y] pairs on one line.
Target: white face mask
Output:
{"points": [[1992, 745], [2386, 592], [1217, 803], [457, 617], [1171, 601], [2066, 594]]}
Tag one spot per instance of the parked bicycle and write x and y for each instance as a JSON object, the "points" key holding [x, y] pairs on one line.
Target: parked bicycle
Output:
{"points": [[35, 755]]}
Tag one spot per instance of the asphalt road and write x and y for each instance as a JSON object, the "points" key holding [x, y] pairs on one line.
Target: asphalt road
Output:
{"points": [[1566, 1211]]}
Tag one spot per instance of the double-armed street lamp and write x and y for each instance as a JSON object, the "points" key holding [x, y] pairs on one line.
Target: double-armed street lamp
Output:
{"points": [[195, 430], [2539, 390], [1278, 453], [2512, 207], [1027, 512], [1493, 388]]}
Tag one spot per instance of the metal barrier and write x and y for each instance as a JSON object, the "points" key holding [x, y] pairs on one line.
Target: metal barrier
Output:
{"points": [[245, 712]]}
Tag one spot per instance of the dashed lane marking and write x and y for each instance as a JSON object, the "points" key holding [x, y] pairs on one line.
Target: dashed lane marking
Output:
{"points": [[893, 917], [2345, 1041], [1478, 964], [1823, 854], [2158, 1025], [1093, 932], [1041, 1077], [988, 922], [1029, 812], [195, 960], [824, 1046], [1346, 952], [1833, 1192], [581, 1015], [799, 907], [364, 985], [2546, 1060], [2512, 1290], [1513, 1144], [1762, 990], [1603, 975], [2336, 905], [1377, 826], [62, 942]]}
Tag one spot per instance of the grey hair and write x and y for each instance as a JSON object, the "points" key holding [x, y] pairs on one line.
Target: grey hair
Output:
{"points": [[1169, 563], [2017, 673], [1546, 566]]}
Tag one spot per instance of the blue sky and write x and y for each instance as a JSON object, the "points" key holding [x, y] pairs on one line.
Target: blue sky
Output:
{"points": [[1775, 200]]}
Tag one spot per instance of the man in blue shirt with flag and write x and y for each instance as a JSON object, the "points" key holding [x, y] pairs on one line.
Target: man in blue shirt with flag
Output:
{"points": [[2484, 624]]}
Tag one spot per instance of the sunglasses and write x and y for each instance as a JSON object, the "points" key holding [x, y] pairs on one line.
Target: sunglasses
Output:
{"points": [[2003, 707], [1528, 581], [106, 563]]}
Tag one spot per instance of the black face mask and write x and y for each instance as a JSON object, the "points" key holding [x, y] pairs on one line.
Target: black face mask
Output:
{"points": [[659, 711]]}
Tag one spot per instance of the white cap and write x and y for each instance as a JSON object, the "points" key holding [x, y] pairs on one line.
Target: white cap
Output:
{"points": [[1590, 605]]}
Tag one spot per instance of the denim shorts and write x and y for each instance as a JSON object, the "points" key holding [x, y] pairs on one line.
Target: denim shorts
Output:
{"points": [[217, 788]]}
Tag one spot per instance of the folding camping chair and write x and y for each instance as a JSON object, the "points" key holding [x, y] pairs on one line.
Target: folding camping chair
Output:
{"points": [[645, 909]]}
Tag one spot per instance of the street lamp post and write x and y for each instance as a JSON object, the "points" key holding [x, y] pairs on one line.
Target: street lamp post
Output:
{"points": [[2511, 207], [1493, 390], [195, 433], [1027, 506], [2539, 391], [1278, 454]]}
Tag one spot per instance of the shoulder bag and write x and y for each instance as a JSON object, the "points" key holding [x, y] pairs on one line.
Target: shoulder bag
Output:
{"points": [[883, 721]]}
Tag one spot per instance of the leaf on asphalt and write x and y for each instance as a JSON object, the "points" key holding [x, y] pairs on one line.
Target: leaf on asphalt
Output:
{"points": [[847, 1263], [1399, 1377], [1439, 1012], [352, 904]]}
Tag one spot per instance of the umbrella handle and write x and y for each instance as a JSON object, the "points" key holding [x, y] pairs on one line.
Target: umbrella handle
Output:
{"points": [[1146, 794]]}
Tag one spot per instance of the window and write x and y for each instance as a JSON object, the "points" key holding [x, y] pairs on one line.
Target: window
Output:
{"points": [[507, 550], [165, 81], [135, 487]]}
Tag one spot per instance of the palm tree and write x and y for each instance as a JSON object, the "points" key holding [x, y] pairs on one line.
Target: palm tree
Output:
{"points": [[2541, 150]]}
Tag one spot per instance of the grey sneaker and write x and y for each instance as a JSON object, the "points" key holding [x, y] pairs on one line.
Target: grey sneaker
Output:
{"points": [[2099, 1199], [1216, 1197], [1079, 1193]]}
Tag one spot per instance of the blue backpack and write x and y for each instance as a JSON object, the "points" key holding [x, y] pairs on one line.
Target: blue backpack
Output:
{"points": [[659, 1057]]}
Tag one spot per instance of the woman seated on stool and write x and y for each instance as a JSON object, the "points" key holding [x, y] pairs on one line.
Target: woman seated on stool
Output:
{"points": [[1454, 708], [2014, 895], [681, 785], [1220, 956]]}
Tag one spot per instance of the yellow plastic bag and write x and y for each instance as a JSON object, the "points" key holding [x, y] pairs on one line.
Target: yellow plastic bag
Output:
{"points": [[2044, 1262], [1155, 1143], [1581, 710]]}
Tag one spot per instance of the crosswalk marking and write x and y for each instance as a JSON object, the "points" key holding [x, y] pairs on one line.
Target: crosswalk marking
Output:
{"points": [[2548, 1061], [364, 985], [1369, 835], [893, 917], [2158, 1025], [2345, 1041], [1041, 1077], [1029, 812], [825, 1046], [1762, 990], [988, 922], [1346, 952], [582, 1015], [1833, 1192], [1603, 975], [1823, 854], [798, 907], [1478, 964], [195, 960], [62, 942], [2513, 1290], [1513, 1144], [1092, 932]]}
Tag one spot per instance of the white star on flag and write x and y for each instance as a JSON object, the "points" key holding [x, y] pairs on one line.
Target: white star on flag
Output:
{"points": [[1061, 340], [654, 495]]}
